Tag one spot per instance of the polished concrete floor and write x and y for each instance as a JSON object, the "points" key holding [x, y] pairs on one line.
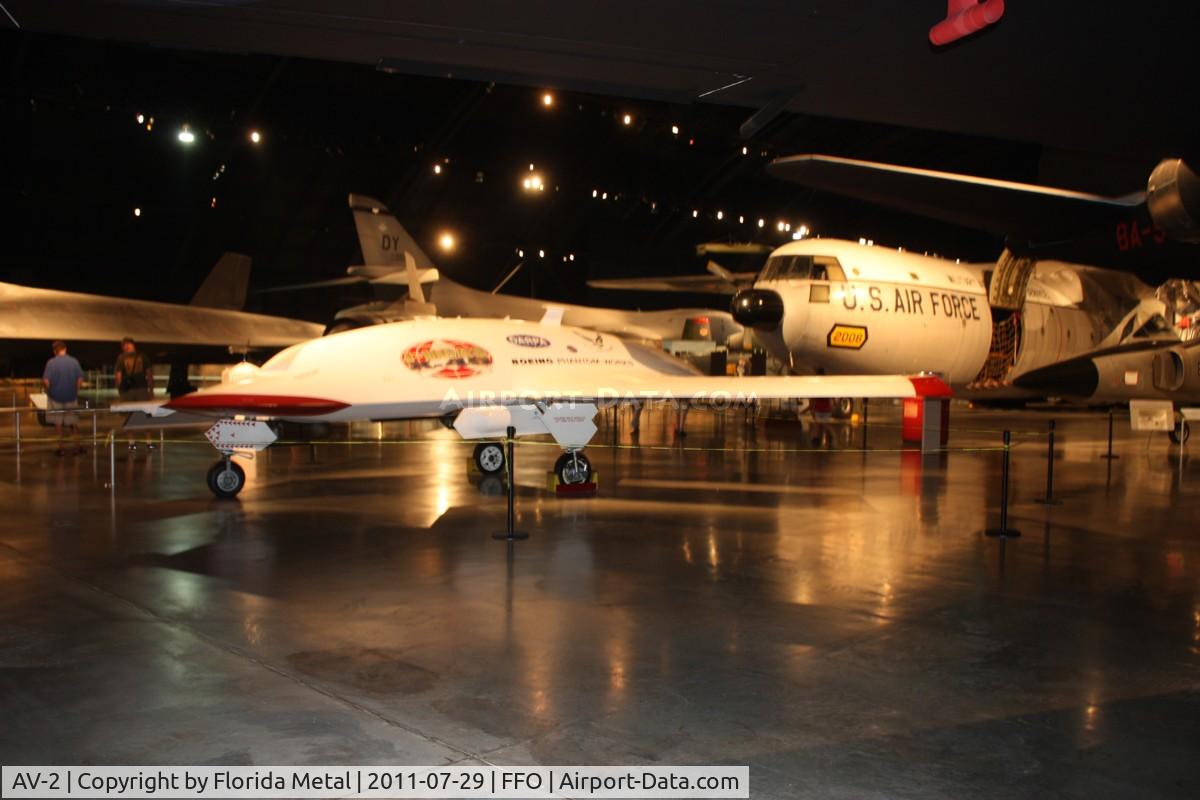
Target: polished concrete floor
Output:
{"points": [[832, 618]]}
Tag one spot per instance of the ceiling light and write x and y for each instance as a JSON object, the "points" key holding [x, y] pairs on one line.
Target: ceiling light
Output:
{"points": [[255, 137], [541, 253], [627, 119], [141, 118], [547, 99], [446, 241], [437, 169], [186, 136], [675, 130], [137, 212], [720, 215], [761, 222]]}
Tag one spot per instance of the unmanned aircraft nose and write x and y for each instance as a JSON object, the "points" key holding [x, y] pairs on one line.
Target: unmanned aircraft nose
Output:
{"points": [[758, 308]]}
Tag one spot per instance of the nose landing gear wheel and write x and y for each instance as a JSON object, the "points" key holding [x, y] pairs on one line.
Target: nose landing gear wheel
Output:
{"points": [[1180, 433], [573, 468], [489, 457], [226, 479]]}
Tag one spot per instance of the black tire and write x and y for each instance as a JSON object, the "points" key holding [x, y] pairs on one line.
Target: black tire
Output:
{"points": [[226, 479], [489, 457], [843, 407], [573, 469], [1180, 433]]}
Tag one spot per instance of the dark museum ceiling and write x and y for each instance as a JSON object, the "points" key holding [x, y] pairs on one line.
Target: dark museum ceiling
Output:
{"points": [[861, 80]]}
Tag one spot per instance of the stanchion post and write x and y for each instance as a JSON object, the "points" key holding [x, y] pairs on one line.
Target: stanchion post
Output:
{"points": [[1004, 530], [866, 406], [616, 422], [93, 427], [510, 533], [112, 462], [1109, 455], [1049, 498], [17, 429]]}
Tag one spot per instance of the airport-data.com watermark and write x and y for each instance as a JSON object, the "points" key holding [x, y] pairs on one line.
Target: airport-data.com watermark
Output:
{"points": [[317, 783], [601, 398]]}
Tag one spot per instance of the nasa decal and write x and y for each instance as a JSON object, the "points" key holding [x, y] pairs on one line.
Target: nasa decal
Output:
{"points": [[447, 358], [528, 340], [847, 337]]}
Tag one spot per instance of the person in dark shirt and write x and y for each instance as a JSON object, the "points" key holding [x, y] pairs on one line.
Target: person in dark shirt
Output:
{"points": [[134, 376], [62, 378]]}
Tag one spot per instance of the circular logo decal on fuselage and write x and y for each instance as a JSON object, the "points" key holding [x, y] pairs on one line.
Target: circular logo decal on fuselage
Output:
{"points": [[447, 358], [528, 340]]}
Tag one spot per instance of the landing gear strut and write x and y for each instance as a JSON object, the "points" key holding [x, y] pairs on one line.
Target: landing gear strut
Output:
{"points": [[573, 468], [225, 478], [489, 457]]}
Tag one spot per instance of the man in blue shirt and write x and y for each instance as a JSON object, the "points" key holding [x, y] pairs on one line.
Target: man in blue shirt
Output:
{"points": [[62, 377]]}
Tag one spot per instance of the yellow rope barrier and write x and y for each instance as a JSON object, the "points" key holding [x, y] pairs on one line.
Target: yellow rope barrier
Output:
{"points": [[591, 446]]}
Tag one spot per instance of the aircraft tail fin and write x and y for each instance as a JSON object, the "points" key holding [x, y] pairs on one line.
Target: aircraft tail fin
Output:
{"points": [[225, 286], [415, 292], [382, 238]]}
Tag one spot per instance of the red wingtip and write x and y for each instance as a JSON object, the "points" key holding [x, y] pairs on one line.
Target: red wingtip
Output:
{"points": [[965, 17], [267, 404], [930, 386]]}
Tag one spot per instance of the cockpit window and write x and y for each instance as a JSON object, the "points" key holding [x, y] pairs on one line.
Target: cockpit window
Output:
{"points": [[833, 270], [795, 268]]}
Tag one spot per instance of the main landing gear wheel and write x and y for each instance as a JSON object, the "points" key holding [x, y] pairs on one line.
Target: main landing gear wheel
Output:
{"points": [[226, 479], [1180, 433], [573, 468], [489, 457]]}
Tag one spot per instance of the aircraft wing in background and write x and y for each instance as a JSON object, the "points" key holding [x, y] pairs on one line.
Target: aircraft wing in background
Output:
{"points": [[695, 284], [718, 281], [95, 324], [1004, 208]]}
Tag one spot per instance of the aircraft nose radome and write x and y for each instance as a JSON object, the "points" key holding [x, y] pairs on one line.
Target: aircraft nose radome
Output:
{"points": [[1077, 378], [270, 404], [758, 308]]}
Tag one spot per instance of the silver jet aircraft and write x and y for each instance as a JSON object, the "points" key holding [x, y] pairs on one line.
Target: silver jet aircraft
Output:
{"points": [[394, 259], [210, 328]]}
